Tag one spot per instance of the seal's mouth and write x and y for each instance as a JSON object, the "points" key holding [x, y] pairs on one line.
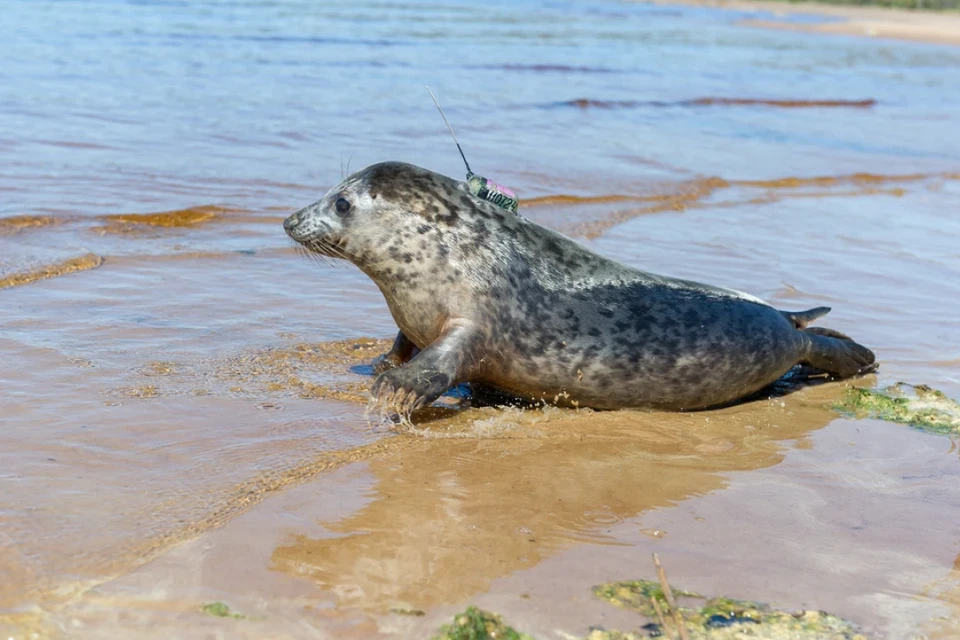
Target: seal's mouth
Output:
{"points": [[322, 251], [319, 246], [313, 240], [294, 225]]}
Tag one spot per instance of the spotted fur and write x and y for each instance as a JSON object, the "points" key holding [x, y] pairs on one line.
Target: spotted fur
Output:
{"points": [[486, 296]]}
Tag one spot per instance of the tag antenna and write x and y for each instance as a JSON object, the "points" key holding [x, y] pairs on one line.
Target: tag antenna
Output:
{"points": [[457, 142]]}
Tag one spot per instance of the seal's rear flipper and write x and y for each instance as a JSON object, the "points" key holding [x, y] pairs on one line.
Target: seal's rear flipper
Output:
{"points": [[837, 354], [801, 319]]}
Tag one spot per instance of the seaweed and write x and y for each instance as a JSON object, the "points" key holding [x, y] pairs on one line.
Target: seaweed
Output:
{"points": [[603, 634], [476, 624], [637, 595], [719, 618], [221, 610], [919, 406]]}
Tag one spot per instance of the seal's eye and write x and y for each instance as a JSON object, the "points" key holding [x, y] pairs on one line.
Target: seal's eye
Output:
{"points": [[343, 206]]}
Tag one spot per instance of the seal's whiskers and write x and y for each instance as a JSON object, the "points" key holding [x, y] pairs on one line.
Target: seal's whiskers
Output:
{"points": [[303, 252], [322, 251]]}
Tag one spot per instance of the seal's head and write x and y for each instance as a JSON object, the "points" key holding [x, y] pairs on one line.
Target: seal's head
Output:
{"points": [[338, 224], [422, 237], [391, 216]]}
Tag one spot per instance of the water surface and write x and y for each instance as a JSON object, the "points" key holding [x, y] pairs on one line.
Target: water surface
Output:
{"points": [[167, 361]]}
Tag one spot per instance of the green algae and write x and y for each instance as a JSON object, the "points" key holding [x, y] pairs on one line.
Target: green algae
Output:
{"points": [[720, 618], [723, 618], [476, 624], [919, 406], [636, 595], [600, 634], [221, 610], [717, 618]]}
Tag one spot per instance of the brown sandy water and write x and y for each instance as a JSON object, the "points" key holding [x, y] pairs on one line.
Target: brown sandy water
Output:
{"points": [[182, 397]]}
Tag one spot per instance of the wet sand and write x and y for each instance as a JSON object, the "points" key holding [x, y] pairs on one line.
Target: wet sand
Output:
{"points": [[241, 466], [936, 27], [183, 396], [523, 512]]}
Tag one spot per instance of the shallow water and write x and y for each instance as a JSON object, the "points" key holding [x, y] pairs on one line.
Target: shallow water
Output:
{"points": [[169, 363]]}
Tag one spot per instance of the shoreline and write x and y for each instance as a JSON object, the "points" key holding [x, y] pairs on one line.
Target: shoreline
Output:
{"points": [[927, 26]]}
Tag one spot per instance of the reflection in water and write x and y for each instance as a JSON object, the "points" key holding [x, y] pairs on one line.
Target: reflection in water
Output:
{"points": [[453, 514], [585, 103]]}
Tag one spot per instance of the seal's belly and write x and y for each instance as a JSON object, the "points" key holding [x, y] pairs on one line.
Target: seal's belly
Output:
{"points": [[673, 350]]}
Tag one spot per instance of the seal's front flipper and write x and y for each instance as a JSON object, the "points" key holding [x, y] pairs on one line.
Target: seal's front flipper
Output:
{"points": [[400, 353], [427, 376], [837, 354]]}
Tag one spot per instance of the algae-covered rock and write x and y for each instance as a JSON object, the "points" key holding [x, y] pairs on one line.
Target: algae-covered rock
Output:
{"points": [[598, 634], [916, 405], [221, 610], [636, 595], [723, 618], [476, 624], [719, 618]]}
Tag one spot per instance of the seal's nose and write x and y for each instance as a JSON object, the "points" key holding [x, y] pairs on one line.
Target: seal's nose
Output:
{"points": [[291, 223]]}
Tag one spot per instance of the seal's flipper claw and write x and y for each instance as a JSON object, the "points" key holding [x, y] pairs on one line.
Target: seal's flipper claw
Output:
{"points": [[430, 373], [403, 399], [383, 363], [398, 400], [382, 393], [390, 401], [399, 354], [414, 402], [403, 390]]}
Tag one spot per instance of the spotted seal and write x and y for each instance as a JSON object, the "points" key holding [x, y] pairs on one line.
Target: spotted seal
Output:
{"points": [[483, 295]]}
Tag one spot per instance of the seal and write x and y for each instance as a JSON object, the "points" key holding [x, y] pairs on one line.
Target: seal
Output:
{"points": [[485, 296]]}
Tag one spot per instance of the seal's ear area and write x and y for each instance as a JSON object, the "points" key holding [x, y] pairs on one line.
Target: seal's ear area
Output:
{"points": [[392, 180]]}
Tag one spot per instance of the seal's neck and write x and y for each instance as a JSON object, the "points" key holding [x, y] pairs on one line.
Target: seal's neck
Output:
{"points": [[420, 312], [424, 286]]}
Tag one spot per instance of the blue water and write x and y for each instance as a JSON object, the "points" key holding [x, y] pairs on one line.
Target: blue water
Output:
{"points": [[119, 106], [258, 107]]}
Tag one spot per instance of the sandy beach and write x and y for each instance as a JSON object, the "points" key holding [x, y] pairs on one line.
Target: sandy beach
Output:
{"points": [[936, 27], [185, 444]]}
